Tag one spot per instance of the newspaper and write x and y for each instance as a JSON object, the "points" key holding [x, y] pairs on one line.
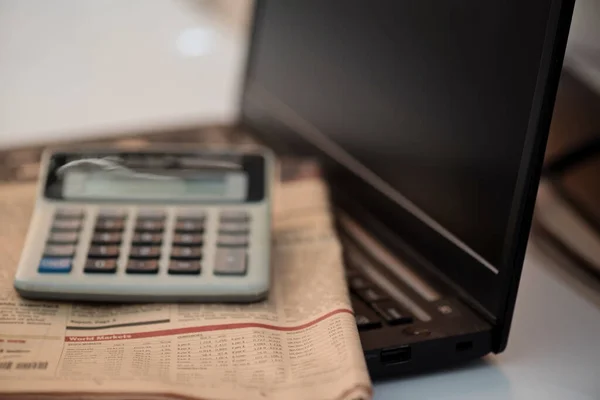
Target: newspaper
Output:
{"points": [[300, 343]]}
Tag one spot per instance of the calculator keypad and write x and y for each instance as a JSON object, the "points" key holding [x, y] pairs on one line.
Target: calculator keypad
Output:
{"points": [[144, 252]]}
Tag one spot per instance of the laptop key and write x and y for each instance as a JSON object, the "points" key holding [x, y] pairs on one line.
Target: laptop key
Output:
{"points": [[371, 295], [392, 313], [365, 317], [359, 283]]}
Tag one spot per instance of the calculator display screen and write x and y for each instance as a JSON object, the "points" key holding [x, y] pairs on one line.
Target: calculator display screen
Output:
{"points": [[106, 186], [156, 176]]}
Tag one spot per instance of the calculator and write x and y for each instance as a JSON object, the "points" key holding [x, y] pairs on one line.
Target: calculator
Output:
{"points": [[158, 224]]}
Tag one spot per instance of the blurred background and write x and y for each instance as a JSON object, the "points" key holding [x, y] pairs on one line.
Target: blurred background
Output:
{"points": [[110, 69]]}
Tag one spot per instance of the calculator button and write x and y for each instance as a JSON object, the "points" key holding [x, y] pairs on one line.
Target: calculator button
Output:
{"points": [[66, 225], [151, 214], [66, 213], [234, 216], [189, 226], [150, 225], [192, 216], [230, 262], [144, 252], [110, 224], [178, 267], [232, 241], [63, 237], [147, 238], [185, 253], [187, 239], [59, 250], [112, 213], [107, 238], [100, 265], [234, 228], [103, 251], [142, 267], [55, 265]]}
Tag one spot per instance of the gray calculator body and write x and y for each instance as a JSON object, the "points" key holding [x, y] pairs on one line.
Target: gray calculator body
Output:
{"points": [[149, 225]]}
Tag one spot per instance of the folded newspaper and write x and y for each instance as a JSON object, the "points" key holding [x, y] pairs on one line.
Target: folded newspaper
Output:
{"points": [[301, 343]]}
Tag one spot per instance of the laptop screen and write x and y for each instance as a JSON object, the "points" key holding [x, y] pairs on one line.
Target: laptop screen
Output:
{"points": [[427, 103]]}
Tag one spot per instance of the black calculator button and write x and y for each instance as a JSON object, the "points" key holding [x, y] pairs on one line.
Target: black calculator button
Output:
{"points": [[149, 225], [370, 295], [142, 267], [234, 228], [234, 216], [151, 214], [59, 250], [146, 238], [180, 267], [232, 241], [66, 224], [189, 226], [392, 313], [103, 251], [112, 213], [144, 252], [67, 213], [63, 237], [186, 253], [107, 266], [110, 224], [230, 262], [187, 239], [107, 238]]}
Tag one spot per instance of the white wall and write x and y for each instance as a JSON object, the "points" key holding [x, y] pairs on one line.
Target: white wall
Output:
{"points": [[71, 68]]}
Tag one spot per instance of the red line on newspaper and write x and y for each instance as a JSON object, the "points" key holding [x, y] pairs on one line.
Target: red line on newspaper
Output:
{"points": [[196, 329]]}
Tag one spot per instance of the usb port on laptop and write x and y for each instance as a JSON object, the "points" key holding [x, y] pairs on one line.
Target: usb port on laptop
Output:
{"points": [[396, 355]]}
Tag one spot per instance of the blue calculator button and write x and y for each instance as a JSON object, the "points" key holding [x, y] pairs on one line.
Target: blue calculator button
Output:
{"points": [[55, 265]]}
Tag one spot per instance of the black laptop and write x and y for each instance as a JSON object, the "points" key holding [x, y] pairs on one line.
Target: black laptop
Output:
{"points": [[430, 119]]}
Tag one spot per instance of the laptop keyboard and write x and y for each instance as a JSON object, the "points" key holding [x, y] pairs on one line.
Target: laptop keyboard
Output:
{"points": [[373, 307]]}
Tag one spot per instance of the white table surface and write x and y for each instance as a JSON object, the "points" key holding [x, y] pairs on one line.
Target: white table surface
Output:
{"points": [[553, 351], [81, 68]]}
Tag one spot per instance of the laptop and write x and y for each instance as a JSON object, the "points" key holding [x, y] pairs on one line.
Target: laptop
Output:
{"points": [[430, 120]]}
